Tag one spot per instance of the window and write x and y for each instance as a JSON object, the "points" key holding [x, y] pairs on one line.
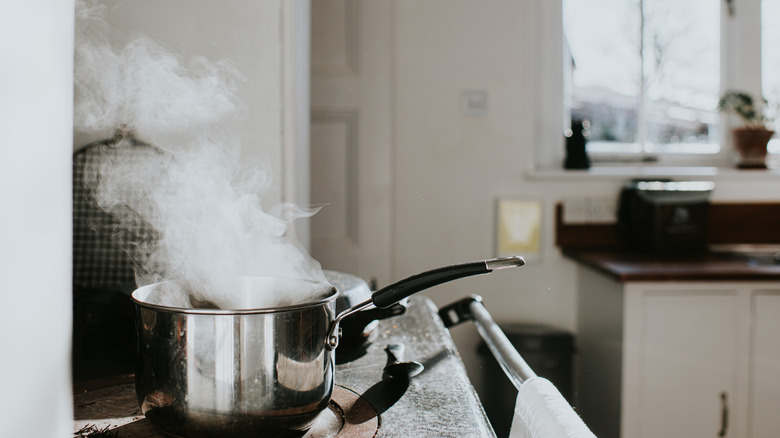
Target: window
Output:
{"points": [[646, 75]]}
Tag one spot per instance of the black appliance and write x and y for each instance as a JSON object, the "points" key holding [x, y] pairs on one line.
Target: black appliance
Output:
{"points": [[664, 216]]}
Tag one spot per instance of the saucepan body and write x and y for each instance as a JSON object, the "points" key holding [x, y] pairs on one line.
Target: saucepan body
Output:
{"points": [[212, 372]]}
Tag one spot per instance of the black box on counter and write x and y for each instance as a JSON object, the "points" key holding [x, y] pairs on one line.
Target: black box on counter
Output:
{"points": [[663, 216]]}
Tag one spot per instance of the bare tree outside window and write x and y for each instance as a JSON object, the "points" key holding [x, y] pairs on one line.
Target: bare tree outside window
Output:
{"points": [[645, 74]]}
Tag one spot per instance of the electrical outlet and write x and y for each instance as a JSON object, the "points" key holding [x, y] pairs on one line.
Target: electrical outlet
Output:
{"points": [[576, 211], [603, 211], [589, 211]]}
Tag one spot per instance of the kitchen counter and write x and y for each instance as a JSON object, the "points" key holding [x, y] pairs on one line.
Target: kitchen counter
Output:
{"points": [[627, 266], [659, 335]]}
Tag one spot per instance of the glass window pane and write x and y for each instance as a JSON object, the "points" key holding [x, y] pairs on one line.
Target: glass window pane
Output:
{"points": [[603, 39], [682, 65], [645, 73]]}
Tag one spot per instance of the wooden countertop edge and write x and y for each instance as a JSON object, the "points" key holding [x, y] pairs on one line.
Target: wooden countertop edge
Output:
{"points": [[629, 267]]}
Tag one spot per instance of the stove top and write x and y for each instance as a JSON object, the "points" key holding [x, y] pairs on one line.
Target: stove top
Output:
{"points": [[438, 402]]}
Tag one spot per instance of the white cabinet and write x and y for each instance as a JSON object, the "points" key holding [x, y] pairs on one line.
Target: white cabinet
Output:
{"points": [[678, 359], [685, 352], [764, 402], [687, 362]]}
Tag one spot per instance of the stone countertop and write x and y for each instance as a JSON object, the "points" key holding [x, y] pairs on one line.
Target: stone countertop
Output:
{"points": [[627, 266]]}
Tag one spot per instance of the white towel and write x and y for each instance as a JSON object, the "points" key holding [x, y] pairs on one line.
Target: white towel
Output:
{"points": [[542, 412]]}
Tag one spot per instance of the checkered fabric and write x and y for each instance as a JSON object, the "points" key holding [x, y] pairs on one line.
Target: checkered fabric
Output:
{"points": [[102, 249]]}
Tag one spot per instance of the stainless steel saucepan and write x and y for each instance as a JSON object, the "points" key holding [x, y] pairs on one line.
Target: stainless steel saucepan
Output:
{"points": [[253, 371]]}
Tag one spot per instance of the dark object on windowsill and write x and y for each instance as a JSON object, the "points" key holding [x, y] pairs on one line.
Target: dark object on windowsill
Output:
{"points": [[576, 155]]}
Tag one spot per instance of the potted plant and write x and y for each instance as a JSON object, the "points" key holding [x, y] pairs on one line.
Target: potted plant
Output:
{"points": [[751, 139]]}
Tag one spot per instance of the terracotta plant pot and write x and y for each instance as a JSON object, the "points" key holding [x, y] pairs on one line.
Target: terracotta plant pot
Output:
{"points": [[751, 147]]}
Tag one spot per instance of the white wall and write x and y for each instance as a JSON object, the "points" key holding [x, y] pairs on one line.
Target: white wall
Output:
{"points": [[36, 121], [263, 40], [449, 169]]}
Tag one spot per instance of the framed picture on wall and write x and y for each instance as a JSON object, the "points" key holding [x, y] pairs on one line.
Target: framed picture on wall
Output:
{"points": [[519, 228]]}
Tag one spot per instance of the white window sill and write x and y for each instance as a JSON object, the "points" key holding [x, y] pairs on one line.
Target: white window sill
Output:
{"points": [[637, 171]]}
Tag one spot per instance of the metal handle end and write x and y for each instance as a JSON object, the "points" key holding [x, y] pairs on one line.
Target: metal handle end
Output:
{"points": [[504, 263]]}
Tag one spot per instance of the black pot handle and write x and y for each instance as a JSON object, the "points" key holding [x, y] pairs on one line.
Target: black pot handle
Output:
{"points": [[389, 295]]}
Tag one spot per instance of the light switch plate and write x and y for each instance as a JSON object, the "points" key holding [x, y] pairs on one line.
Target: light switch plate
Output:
{"points": [[474, 103]]}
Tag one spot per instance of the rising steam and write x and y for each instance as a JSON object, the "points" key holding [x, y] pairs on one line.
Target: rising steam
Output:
{"points": [[164, 98], [190, 186]]}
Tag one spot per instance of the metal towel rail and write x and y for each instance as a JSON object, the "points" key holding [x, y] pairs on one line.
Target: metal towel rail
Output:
{"points": [[472, 309]]}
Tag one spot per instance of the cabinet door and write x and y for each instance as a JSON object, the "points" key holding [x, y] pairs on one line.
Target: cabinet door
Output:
{"points": [[688, 363], [765, 365]]}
